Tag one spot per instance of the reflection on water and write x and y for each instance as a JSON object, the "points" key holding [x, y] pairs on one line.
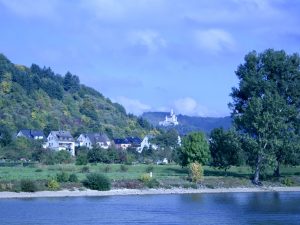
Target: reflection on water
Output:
{"points": [[225, 208]]}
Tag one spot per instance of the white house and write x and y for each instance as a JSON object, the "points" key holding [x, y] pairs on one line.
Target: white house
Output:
{"points": [[146, 144], [91, 140], [170, 120], [61, 140]]}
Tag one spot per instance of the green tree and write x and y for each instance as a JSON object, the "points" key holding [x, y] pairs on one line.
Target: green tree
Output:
{"points": [[195, 148], [225, 148], [265, 105]]}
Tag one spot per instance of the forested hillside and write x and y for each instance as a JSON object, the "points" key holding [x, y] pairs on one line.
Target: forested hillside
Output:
{"points": [[37, 98], [188, 124]]}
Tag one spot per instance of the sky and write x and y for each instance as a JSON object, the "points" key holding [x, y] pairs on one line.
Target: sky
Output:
{"points": [[149, 55]]}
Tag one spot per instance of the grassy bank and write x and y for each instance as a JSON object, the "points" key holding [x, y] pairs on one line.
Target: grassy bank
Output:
{"points": [[127, 176]]}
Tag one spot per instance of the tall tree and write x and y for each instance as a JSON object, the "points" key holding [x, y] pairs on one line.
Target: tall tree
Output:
{"points": [[266, 104], [195, 148], [225, 148]]}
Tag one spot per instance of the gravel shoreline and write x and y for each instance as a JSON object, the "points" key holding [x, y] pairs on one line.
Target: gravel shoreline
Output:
{"points": [[118, 192]]}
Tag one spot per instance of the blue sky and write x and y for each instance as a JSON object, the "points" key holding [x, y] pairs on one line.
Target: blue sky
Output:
{"points": [[149, 55]]}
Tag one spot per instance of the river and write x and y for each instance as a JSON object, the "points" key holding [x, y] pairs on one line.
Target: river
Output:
{"points": [[225, 208]]}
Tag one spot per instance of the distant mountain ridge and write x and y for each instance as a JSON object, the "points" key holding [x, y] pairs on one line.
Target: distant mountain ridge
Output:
{"points": [[188, 124]]}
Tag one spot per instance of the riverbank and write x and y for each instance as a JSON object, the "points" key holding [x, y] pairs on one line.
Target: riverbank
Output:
{"points": [[118, 192]]}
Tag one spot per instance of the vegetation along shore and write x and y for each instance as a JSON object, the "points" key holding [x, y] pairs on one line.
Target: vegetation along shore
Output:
{"points": [[59, 135]]}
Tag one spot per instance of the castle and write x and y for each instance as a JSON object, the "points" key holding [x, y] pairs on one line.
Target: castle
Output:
{"points": [[169, 120]]}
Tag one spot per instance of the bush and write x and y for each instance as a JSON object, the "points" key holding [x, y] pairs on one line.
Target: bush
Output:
{"points": [[63, 157], [81, 159], [195, 171], [152, 183], [38, 170], [287, 182], [62, 177], [73, 178], [28, 186], [145, 178], [107, 169], [85, 169], [149, 169], [123, 168], [97, 181], [53, 184]]}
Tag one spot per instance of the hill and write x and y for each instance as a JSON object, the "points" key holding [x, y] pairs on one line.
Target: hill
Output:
{"points": [[38, 98], [190, 123]]}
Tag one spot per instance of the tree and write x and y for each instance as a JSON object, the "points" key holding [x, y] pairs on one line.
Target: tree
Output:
{"points": [[265, 105], [225, 148], [71, 82], [195, 148], [5, 135]]}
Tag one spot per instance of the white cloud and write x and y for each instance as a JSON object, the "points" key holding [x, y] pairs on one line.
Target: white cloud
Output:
{"points": [[133, 105], [214, 40], [32, 8], [150, 39], [189, 106]]}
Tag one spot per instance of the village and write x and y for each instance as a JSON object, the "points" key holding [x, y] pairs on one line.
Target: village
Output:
{"points": [[63, 139]]}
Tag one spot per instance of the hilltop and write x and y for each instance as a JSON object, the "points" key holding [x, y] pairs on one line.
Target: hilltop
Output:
{"points": [[38, 98], [190, 123]]}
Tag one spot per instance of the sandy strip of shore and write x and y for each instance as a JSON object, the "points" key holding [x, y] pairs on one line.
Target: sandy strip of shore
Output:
{"points": [[118, 192]]}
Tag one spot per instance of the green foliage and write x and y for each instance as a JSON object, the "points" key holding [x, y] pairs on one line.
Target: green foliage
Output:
{"points": [[168, 138], [225, 148], [63, 156], [85, 169], [28, 186], [37, 98], [73, 178], [123, 168], [149, 169], [265, 107], [98, 182], [145, 178], [195, 148], [53, 185], [287, 182], [62, 177], [196, 172], [82, 159]]}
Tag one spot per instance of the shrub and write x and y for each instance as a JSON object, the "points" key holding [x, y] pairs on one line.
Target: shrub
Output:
{"points": [[149, 169], [28, 186], [53, 184], [85, 169], [62, 177], [195, 171], [107, 169], [123, 168], [287, 181], [38, 170], [97, 181], [81, 159], [145, 178], [73, 178], [63, 157], [152, 183]]}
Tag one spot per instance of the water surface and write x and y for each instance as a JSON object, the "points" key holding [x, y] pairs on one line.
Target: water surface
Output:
{"points": [[190, 209]]}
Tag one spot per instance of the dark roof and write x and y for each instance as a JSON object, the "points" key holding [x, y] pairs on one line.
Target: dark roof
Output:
{"points": [[119, 141], [134, 140], [63, 135], [97, 137], [31, 134]]}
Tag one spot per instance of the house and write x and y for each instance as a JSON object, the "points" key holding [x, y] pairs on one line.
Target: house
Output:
{"points": [[31, 134], [134, 141], [146, 144], [61, 140], [122, 143], [91, 140]]}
